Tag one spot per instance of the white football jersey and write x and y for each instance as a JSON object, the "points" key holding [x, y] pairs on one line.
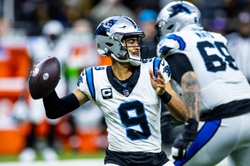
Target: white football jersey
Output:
{"points": [[40, 48], [132, 111], [220, 79]]}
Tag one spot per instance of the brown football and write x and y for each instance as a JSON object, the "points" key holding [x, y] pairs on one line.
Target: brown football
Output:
{"points": [[44, 77]]}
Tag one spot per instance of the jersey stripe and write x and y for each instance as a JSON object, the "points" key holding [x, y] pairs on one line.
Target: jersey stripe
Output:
{"points": [[205, 134], [157, 62], [181, 42], [90, 81]]}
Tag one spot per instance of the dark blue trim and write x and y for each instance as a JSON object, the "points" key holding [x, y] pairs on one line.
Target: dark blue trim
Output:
{"points": [[205, 134], [157, 62], [181, 42], [90, 81], [131, 83]]}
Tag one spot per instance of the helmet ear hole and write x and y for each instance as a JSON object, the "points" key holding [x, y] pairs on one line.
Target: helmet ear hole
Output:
{"points": [[109, 44], [123, 51], [107, 51], [170, 27]]}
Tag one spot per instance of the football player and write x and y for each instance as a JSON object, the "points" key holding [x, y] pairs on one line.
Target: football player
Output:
{"points": [[128, 92], [50, 43], [215, 91]]}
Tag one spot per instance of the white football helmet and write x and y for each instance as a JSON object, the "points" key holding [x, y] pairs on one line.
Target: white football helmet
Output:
{"points": [[175, 16], [109, 35], [53, 27]]}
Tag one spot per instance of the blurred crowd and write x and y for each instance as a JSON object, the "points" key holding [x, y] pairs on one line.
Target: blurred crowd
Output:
{"points": [[31, 30]]}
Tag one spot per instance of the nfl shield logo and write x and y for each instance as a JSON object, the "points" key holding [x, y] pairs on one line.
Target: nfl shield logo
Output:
{"points": [[126, 92]]}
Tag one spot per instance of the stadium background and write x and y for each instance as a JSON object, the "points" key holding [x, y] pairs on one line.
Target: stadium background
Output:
{"points": [[27, 17]]}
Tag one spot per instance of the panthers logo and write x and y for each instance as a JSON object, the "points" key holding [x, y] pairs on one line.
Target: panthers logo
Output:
{"points": [[178, 8], [105, 27], [109, 23]]}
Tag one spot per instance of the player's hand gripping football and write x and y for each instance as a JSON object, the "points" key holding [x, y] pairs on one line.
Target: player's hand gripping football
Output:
{"points": [[44, 77], [158, 82], [181, 144]]}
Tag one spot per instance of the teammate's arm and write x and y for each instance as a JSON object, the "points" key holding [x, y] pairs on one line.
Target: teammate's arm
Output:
{"points": [[182, 72], [191, 94]]}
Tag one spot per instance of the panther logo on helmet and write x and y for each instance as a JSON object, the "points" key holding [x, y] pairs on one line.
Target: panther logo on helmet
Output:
{"points": [[178, 8]]}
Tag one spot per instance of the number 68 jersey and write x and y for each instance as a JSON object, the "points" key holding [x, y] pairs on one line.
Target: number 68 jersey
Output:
{"points": [[131, 110], [220, 79]]}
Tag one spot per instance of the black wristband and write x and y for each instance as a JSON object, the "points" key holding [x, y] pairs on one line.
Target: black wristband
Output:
{"points": [[165, 97]]}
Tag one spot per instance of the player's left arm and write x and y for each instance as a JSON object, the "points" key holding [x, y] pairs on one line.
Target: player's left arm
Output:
{"points": [[191, 94], [169, 97], [176, 106], [183, 73]]}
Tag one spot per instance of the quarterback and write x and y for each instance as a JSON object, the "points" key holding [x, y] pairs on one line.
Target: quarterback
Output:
{"points": [[129, 93]]}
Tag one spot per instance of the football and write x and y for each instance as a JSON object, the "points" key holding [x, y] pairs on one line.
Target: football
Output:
{"points": [[44, 77]]}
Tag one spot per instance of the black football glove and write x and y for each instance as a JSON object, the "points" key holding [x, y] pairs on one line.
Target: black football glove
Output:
{"points": [[180, 145], [168, 121]]}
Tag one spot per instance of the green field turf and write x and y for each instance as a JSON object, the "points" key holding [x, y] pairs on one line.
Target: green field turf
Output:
{"points": [[63, 155]]}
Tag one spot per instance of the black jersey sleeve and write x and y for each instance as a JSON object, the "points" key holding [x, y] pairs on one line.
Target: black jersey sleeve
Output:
{"points": [[179, 65], [56, 107]]}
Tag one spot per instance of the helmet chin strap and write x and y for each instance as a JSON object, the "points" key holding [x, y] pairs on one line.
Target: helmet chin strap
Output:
{"points": [[119, 60], [133, 62]]}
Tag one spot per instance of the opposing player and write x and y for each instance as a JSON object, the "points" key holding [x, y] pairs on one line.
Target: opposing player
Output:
{"points": [[215, 91], [128, 92]]}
